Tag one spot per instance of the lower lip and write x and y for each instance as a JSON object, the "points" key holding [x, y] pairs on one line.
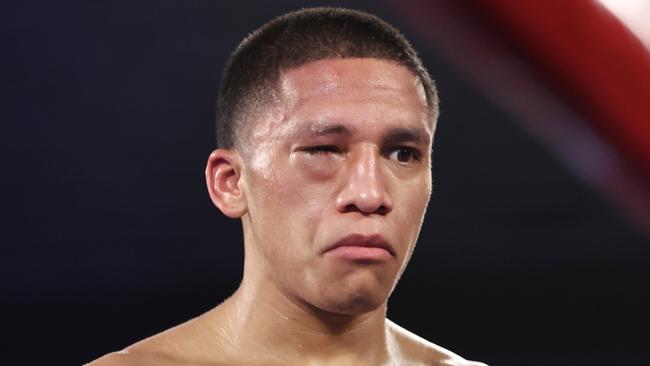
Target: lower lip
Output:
{"points": [[359, 253]]}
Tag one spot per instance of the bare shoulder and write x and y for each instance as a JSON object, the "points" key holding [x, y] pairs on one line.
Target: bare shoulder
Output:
{"points": [[184, 344], [132, 358], [416, 350], [143, 353]]}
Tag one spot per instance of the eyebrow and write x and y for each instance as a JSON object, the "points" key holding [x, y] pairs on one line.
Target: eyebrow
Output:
{"points": [[419, 136], [318, 129]]}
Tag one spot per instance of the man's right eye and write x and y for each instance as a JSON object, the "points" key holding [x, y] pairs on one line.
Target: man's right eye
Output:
{"points": [[320, 149]]}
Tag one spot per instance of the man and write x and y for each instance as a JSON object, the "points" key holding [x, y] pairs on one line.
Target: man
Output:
{"points": [[325, 124]]}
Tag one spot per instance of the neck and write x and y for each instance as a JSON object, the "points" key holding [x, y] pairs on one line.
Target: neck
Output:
{"points": [[260, 317]]}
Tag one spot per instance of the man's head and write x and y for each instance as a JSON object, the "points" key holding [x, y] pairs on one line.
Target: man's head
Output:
{"points": [[327, 160]]}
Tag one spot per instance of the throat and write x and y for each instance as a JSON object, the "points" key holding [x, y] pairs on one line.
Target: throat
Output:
{"points": [[281, 330]]}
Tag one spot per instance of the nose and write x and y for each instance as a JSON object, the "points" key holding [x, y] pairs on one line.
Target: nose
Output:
{"points": [[364, 186]]}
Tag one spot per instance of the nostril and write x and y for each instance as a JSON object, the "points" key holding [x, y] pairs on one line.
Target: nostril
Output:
{"points": [[381, 210], [351, 208]]}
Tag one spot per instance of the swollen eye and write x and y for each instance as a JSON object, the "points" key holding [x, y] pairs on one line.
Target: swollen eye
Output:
{"points": [[321, 149]]}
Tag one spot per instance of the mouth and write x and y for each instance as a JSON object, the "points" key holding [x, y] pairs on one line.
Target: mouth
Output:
{"points": [[359, 247]]}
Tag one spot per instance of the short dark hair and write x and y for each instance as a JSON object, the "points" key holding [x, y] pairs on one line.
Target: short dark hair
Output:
{"points": [[289, 41]]}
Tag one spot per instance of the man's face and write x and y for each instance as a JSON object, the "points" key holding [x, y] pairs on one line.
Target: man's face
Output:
{"points": [[337, 179]]}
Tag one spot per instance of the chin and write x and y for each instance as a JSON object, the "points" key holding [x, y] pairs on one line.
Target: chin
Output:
{"points": [[353, 301], [356, 307]]}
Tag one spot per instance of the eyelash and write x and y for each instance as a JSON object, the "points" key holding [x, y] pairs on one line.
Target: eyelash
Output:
{"points": [[321, 149], [324, 149]]}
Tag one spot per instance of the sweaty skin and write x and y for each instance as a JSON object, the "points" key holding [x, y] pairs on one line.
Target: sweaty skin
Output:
{"points": [[331, 186]]}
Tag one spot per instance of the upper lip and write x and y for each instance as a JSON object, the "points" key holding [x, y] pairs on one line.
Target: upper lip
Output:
{"points": [[362, 240]]}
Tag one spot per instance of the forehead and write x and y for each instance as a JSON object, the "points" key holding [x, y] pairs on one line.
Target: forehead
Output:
{"points": [[351, 77], [366, 94]]}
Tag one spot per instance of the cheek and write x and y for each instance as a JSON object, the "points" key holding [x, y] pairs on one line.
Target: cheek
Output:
{"points": [[312, 180], [315, 168], [284, 205], [420, 200], [413, 202]]}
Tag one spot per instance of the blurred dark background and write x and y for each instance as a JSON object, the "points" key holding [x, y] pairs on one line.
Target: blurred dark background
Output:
{"points": [[108, 234]]}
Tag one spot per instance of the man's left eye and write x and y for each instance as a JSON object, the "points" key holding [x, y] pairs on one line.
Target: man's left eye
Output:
{"points": [[403, 154]]}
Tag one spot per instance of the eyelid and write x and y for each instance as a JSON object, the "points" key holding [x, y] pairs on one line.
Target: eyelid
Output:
{"points": [[413, 149], [318, 149], [416, 154]]}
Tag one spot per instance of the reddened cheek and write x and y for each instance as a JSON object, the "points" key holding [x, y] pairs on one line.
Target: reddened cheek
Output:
{"points": [[315, 167]]}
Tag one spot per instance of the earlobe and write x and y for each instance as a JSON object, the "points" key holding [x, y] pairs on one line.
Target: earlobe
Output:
{"points": [[222, 176]]}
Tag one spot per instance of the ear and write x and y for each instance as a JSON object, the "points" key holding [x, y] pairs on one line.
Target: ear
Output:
{"points": [[222, 175]]}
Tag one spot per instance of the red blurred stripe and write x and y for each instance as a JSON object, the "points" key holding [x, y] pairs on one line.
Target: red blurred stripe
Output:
{"points": [[593, 59], [515, 50]]}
